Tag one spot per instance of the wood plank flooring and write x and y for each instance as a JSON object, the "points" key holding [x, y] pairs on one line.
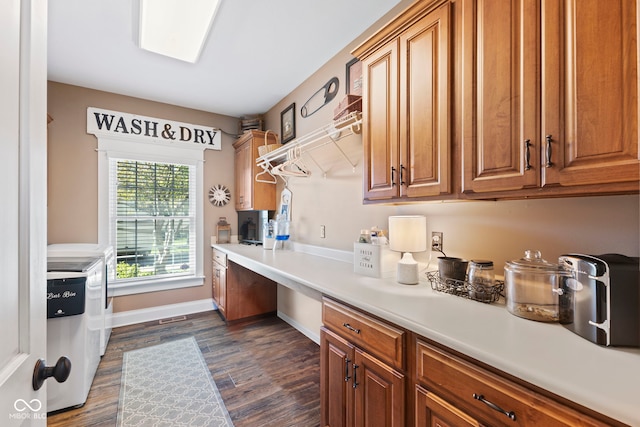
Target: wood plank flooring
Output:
{"points": [[267, 372]]}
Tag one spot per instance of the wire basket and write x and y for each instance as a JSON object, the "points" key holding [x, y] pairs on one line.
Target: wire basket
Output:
{"points": [[462, 288], [267, 148]]}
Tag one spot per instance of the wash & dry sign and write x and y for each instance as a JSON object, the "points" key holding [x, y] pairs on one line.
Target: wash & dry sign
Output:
{"points": [[124, 126]]}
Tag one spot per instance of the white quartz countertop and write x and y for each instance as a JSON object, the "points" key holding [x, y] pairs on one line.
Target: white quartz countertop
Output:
{"points": [[605, 379]]}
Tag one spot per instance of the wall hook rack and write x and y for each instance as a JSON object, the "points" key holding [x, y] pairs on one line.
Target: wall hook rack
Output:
{"points": [[328, 134]]}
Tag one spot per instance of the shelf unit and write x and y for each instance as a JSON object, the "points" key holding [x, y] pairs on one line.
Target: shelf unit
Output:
{"points": [[331, 133]]}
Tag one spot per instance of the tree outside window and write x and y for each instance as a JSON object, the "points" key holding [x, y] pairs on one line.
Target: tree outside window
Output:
{"points": [[154, 219]]}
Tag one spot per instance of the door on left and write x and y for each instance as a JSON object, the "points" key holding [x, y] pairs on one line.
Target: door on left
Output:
{"points": [[23, 225]]}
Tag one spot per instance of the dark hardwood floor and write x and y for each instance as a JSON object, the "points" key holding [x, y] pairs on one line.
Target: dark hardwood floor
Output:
{"points": [[267, 372]]}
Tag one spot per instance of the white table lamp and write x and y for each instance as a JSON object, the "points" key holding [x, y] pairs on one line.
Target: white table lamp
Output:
{"points": [[407, 234]]}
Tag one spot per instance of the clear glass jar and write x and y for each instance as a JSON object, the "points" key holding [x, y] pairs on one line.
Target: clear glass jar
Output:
{"points": [[365, 236], [533, 287], [480, 276]]}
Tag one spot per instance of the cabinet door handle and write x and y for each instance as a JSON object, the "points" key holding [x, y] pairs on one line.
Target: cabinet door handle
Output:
{"points": [[549, 139], [355, 376], [511, 415], [527, 154], [346, 369], [393, 176], [351, 328], [402, 168]]}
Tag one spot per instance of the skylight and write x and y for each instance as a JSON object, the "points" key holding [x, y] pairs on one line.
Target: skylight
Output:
{"points": [[176, 28]]}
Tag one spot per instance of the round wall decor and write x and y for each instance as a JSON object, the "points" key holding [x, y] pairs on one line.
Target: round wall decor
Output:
{"points": [[219, 195]]}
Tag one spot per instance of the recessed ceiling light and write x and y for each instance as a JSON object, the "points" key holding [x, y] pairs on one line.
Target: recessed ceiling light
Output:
{"points": [[176, 28]]}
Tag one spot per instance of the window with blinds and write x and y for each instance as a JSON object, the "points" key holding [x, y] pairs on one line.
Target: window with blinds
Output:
{"points": [[152, 219]]}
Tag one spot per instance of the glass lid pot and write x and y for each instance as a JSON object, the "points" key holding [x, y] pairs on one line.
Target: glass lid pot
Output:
{"points": [[533, 287], [533, 260]]}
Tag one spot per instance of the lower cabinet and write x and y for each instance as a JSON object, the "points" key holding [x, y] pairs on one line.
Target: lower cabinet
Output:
{"points": [[373, 373], [239, 292], [219, 280], [357, 388], [220, 287], [452, 391], [433, 411]]}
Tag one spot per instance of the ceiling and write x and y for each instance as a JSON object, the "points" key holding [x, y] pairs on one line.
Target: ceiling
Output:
{"points": [[257, 51]]}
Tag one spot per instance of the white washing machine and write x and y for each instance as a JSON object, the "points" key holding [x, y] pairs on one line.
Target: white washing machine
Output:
{"points": [[74, 321], [60, 250]]}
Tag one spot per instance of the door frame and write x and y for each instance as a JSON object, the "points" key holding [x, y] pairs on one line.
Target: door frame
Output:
{"points": [[23, 131]]}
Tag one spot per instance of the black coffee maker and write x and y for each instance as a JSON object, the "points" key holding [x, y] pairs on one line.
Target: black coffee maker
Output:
{"points": [[601, 302]]}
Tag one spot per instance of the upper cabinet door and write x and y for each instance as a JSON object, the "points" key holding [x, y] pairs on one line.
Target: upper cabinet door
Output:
{"points": [[380, 119], [250, 193], [425, 61], [499, 73], [406, 102], [590, 92], [243, 176]]}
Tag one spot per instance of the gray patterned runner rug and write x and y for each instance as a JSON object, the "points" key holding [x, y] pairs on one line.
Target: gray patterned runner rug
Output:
{"points": [[169, 385]]}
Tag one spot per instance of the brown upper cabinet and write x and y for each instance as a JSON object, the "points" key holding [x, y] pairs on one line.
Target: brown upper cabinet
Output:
{"points": [[406, 70], [491, 99], [549, 97], [251, 194]]}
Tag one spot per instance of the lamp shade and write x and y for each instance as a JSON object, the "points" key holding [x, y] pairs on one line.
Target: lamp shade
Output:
{"points": [[408, 233]]}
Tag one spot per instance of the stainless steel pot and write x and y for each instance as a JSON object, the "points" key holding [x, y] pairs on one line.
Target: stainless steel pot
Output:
{"points": [[533, 287]]}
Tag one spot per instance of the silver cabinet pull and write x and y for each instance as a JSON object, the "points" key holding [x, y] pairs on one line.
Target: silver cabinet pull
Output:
{"points": [[511, 415], [549, 139], [355, 377], [351, 328], [527, 154], [346, 370]]}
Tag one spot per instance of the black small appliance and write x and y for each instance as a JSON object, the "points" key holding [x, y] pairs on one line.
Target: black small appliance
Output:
{"points": [[601, 303]]}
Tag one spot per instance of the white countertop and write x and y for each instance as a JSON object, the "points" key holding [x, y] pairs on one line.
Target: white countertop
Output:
{"points": [[605, 379]]}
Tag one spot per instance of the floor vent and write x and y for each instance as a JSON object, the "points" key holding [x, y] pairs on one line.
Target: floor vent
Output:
{"points": [[172, 320]]}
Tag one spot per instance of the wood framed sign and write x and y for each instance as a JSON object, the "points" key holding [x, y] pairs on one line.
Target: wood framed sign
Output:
{"points": [[288, 123], [354, 77]]}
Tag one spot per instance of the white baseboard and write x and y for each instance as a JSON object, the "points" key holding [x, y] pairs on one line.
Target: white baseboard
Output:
{"points": [[132, 317], [313, 336]]}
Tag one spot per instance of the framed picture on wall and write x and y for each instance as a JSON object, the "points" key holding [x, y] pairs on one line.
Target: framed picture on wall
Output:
{"points": [[288, 123], [354, 77]]}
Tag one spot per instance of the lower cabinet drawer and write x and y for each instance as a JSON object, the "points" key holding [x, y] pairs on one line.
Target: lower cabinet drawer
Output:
{"points": [[219, 257], [490, 398], [378, 338]]}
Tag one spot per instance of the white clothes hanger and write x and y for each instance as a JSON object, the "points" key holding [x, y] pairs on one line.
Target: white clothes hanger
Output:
{"points": [[266, 170], [293, 159]]}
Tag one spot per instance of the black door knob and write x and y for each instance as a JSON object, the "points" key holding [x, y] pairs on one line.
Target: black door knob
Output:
{"points": [[60, 371]]}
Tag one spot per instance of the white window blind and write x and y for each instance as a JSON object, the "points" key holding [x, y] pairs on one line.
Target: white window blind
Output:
{"points": [[152, 219]]}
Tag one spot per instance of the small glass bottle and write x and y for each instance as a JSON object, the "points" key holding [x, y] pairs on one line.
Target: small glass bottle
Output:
{"points": [[365, 236], [481, 277]]}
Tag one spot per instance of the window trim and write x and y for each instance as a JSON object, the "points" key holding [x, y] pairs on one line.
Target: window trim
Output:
{"points": [[151, 152]]}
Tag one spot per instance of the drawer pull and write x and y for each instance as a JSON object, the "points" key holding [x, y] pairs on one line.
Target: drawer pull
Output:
{"points": [[351, 328], [346, 370], [480, 397]]}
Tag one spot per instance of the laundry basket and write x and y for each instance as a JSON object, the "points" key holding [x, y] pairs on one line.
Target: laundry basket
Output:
{"points": [[267, 148]]}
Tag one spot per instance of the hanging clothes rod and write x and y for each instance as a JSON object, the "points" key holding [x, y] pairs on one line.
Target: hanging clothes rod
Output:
{"points": [[330, 133]]}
